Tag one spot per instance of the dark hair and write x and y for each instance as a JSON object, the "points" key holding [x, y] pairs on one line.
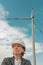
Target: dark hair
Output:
{"points": [[23, 52]]}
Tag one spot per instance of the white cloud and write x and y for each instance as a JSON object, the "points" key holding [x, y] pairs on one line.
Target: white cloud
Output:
{"points": [[38, 48], [29, 47], [3, 12], [7, 34]]}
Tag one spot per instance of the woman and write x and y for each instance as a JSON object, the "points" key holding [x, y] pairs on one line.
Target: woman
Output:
{"points": [[18, 48]]}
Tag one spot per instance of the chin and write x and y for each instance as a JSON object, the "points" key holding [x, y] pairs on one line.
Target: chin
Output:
{"points": [[16, 53]]}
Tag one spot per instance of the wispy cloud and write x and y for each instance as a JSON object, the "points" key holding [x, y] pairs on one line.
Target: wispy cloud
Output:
{"points": [[29, 47], [8, 33], [3, 12]]}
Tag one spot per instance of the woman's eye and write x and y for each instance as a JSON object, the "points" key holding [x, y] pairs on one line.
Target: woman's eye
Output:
{"points": [[18, 46]]}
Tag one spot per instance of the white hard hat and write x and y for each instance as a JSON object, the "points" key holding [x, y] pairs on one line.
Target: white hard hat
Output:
{"points": [[18, 41]]}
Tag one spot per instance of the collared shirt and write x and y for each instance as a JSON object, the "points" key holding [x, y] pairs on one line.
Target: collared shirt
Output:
{"points": [[17, 62]]}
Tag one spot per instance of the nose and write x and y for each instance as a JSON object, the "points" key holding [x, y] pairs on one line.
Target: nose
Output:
{"points": [[16, 47]]}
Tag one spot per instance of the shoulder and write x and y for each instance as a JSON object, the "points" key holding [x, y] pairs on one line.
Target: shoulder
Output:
{"points": [[7, 61], [27, 62], [7, 58]]}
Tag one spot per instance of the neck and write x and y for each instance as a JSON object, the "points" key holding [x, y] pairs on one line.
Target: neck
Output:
{"points": [[17, 57]]}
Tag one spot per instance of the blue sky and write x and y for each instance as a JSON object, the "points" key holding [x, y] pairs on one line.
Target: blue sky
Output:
{"points": [[9, 29]]}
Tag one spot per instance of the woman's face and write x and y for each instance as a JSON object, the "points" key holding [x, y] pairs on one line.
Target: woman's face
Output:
{"points": [[17, 49]]}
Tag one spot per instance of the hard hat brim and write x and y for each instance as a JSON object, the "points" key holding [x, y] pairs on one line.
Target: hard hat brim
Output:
{"points": [[17, 44]]}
